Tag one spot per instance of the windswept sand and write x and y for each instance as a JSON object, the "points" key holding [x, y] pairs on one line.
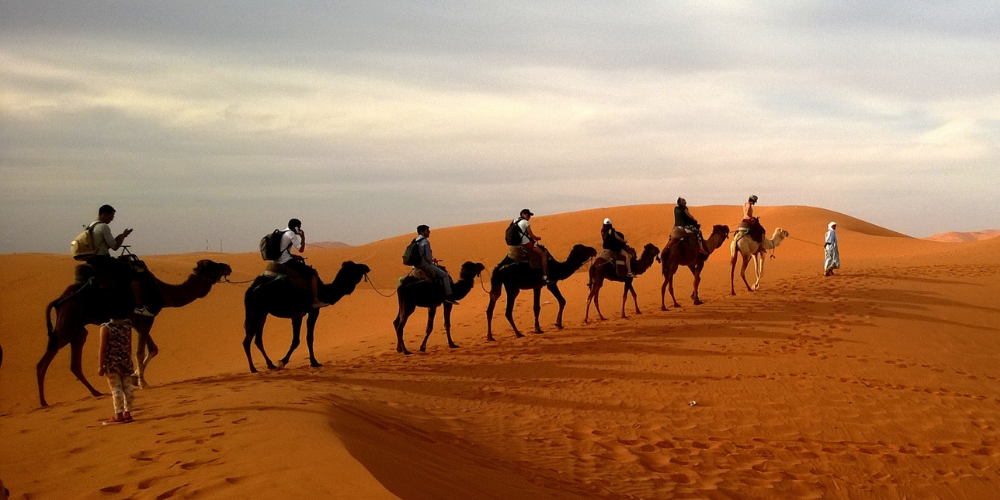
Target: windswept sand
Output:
{"points": [[881, 382]]}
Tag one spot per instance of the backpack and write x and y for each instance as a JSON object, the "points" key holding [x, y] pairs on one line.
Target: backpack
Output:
{"points": [[82, 247], [514, 234], [270, 245], [411, 256]]}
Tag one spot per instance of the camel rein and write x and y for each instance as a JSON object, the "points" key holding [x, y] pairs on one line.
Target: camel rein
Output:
{"points": [[369, 281]]}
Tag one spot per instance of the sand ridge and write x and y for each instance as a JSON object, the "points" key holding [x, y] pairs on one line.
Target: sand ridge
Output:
{"points": [[879, 383]]}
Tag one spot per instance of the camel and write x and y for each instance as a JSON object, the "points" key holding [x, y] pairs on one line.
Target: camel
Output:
{"points": [[413, 292], [516, 276], [749, 248], [277, 297], [604, 269], [685, 253], [82, 304]]}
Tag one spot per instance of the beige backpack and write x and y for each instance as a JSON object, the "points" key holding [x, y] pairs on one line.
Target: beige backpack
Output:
{"points": [[82, 247]]}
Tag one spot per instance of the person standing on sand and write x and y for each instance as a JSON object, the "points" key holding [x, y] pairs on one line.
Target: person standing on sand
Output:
{"points": [[832, 251], [116, 365]]}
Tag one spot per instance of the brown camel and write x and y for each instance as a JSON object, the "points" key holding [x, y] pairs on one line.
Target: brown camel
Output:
{"points": [[516, 276], [277, 297], [84, 303], [603, 269], [750, 249], [685, 253], [413, 293]]}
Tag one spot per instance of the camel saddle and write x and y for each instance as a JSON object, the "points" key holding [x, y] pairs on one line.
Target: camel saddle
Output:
{"points": [[753, 229], [277, 271], [520, 253], [419, 275], [616, 259]]}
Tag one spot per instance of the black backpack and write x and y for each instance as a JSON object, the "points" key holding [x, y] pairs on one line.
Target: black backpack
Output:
{"points": [[270, 245], [514, 234], [411, 256]]}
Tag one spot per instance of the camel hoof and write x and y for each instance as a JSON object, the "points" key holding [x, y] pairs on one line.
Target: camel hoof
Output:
{"points": [[399, 348], [491, 339], [407, 353], [281, 364], [538, 332], [315, 364], [663, 309], [423, 348], [253, 370], [518, 334], [453, 346], [559, 326], [698, 302], [638, 311]]}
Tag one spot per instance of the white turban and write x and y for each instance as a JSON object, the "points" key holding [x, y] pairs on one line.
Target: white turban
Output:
{"points": [[830, 226]]}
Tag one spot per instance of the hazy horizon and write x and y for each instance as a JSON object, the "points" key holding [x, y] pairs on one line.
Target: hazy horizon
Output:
{"points": [[208, 123]]}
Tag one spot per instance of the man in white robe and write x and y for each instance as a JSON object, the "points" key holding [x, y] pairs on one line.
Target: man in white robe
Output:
{"points": [[832, 252]]}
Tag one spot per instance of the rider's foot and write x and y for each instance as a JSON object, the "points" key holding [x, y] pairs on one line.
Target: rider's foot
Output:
{"points": [[319, 305], [142, 311], [630, 275], [547, 280], [451, 301]]}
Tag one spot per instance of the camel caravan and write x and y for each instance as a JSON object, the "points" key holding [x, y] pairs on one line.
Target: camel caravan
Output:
{"points": [[104, 286]]}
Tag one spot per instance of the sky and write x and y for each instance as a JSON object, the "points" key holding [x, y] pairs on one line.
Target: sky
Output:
{"points": [[207, 124]]}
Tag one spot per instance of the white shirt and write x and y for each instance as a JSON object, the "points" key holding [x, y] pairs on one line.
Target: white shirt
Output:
{"points": [[524, 225], [104, 241], [289, 239], [831, 237]]}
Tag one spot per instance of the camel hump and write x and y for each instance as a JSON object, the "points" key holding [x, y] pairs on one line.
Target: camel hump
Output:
{"points": [[275, 270]]}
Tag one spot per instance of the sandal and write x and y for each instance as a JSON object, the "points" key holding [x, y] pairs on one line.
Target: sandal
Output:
{"points": [[114, 421]]}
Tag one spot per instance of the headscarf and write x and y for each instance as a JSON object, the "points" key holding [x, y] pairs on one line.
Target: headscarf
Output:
{"points": [[830, 225]]}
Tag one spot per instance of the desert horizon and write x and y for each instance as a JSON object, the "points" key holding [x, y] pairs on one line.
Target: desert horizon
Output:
{"points": [[878, 382]]}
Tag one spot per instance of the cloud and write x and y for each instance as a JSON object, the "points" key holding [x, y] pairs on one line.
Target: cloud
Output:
{"points": [[382, 112]]}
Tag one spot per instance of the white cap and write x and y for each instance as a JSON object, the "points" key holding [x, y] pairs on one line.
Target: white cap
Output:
{"points": [[607, 222]]}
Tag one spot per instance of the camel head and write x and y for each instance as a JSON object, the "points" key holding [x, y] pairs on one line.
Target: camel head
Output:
{"points": [[650, 249], [779, 234], [210, 270], [722, 230], [471, 269], [352, 271], [581, 253]]}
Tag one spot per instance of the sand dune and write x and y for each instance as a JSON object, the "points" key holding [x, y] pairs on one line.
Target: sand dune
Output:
{"points": [[958, 237], [880, 382]]}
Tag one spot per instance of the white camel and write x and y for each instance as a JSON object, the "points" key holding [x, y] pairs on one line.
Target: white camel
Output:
{"points": [[749, 248]]}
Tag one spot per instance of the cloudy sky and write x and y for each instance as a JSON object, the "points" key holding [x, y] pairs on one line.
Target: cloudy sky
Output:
{"points": [[208, 123]]}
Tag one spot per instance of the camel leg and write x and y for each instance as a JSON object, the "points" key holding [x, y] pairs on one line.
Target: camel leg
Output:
{"points": [[140, 371], [76, 363], [310, 336], [696, 271], [494, 296], [635, 300], [447, 325], [554, 289], [405, 310], [663, 290], [595, 290], [431, 312], [296, 332], [251, 328], [597, 302], [732, 275], [258, 340], [512, 293], [670, 283], [43, 365], [743, 271], [758, 269]]}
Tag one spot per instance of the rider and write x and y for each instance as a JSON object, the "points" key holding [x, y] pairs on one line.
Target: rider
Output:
{"points": [[529, 241], [104, 264], [748, 210], [429, 264], [615, 242], [684, 220], [750, 224], [294, 236]]}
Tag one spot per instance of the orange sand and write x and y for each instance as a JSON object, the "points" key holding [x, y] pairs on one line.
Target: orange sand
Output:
{"points": [[880, 382]]}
